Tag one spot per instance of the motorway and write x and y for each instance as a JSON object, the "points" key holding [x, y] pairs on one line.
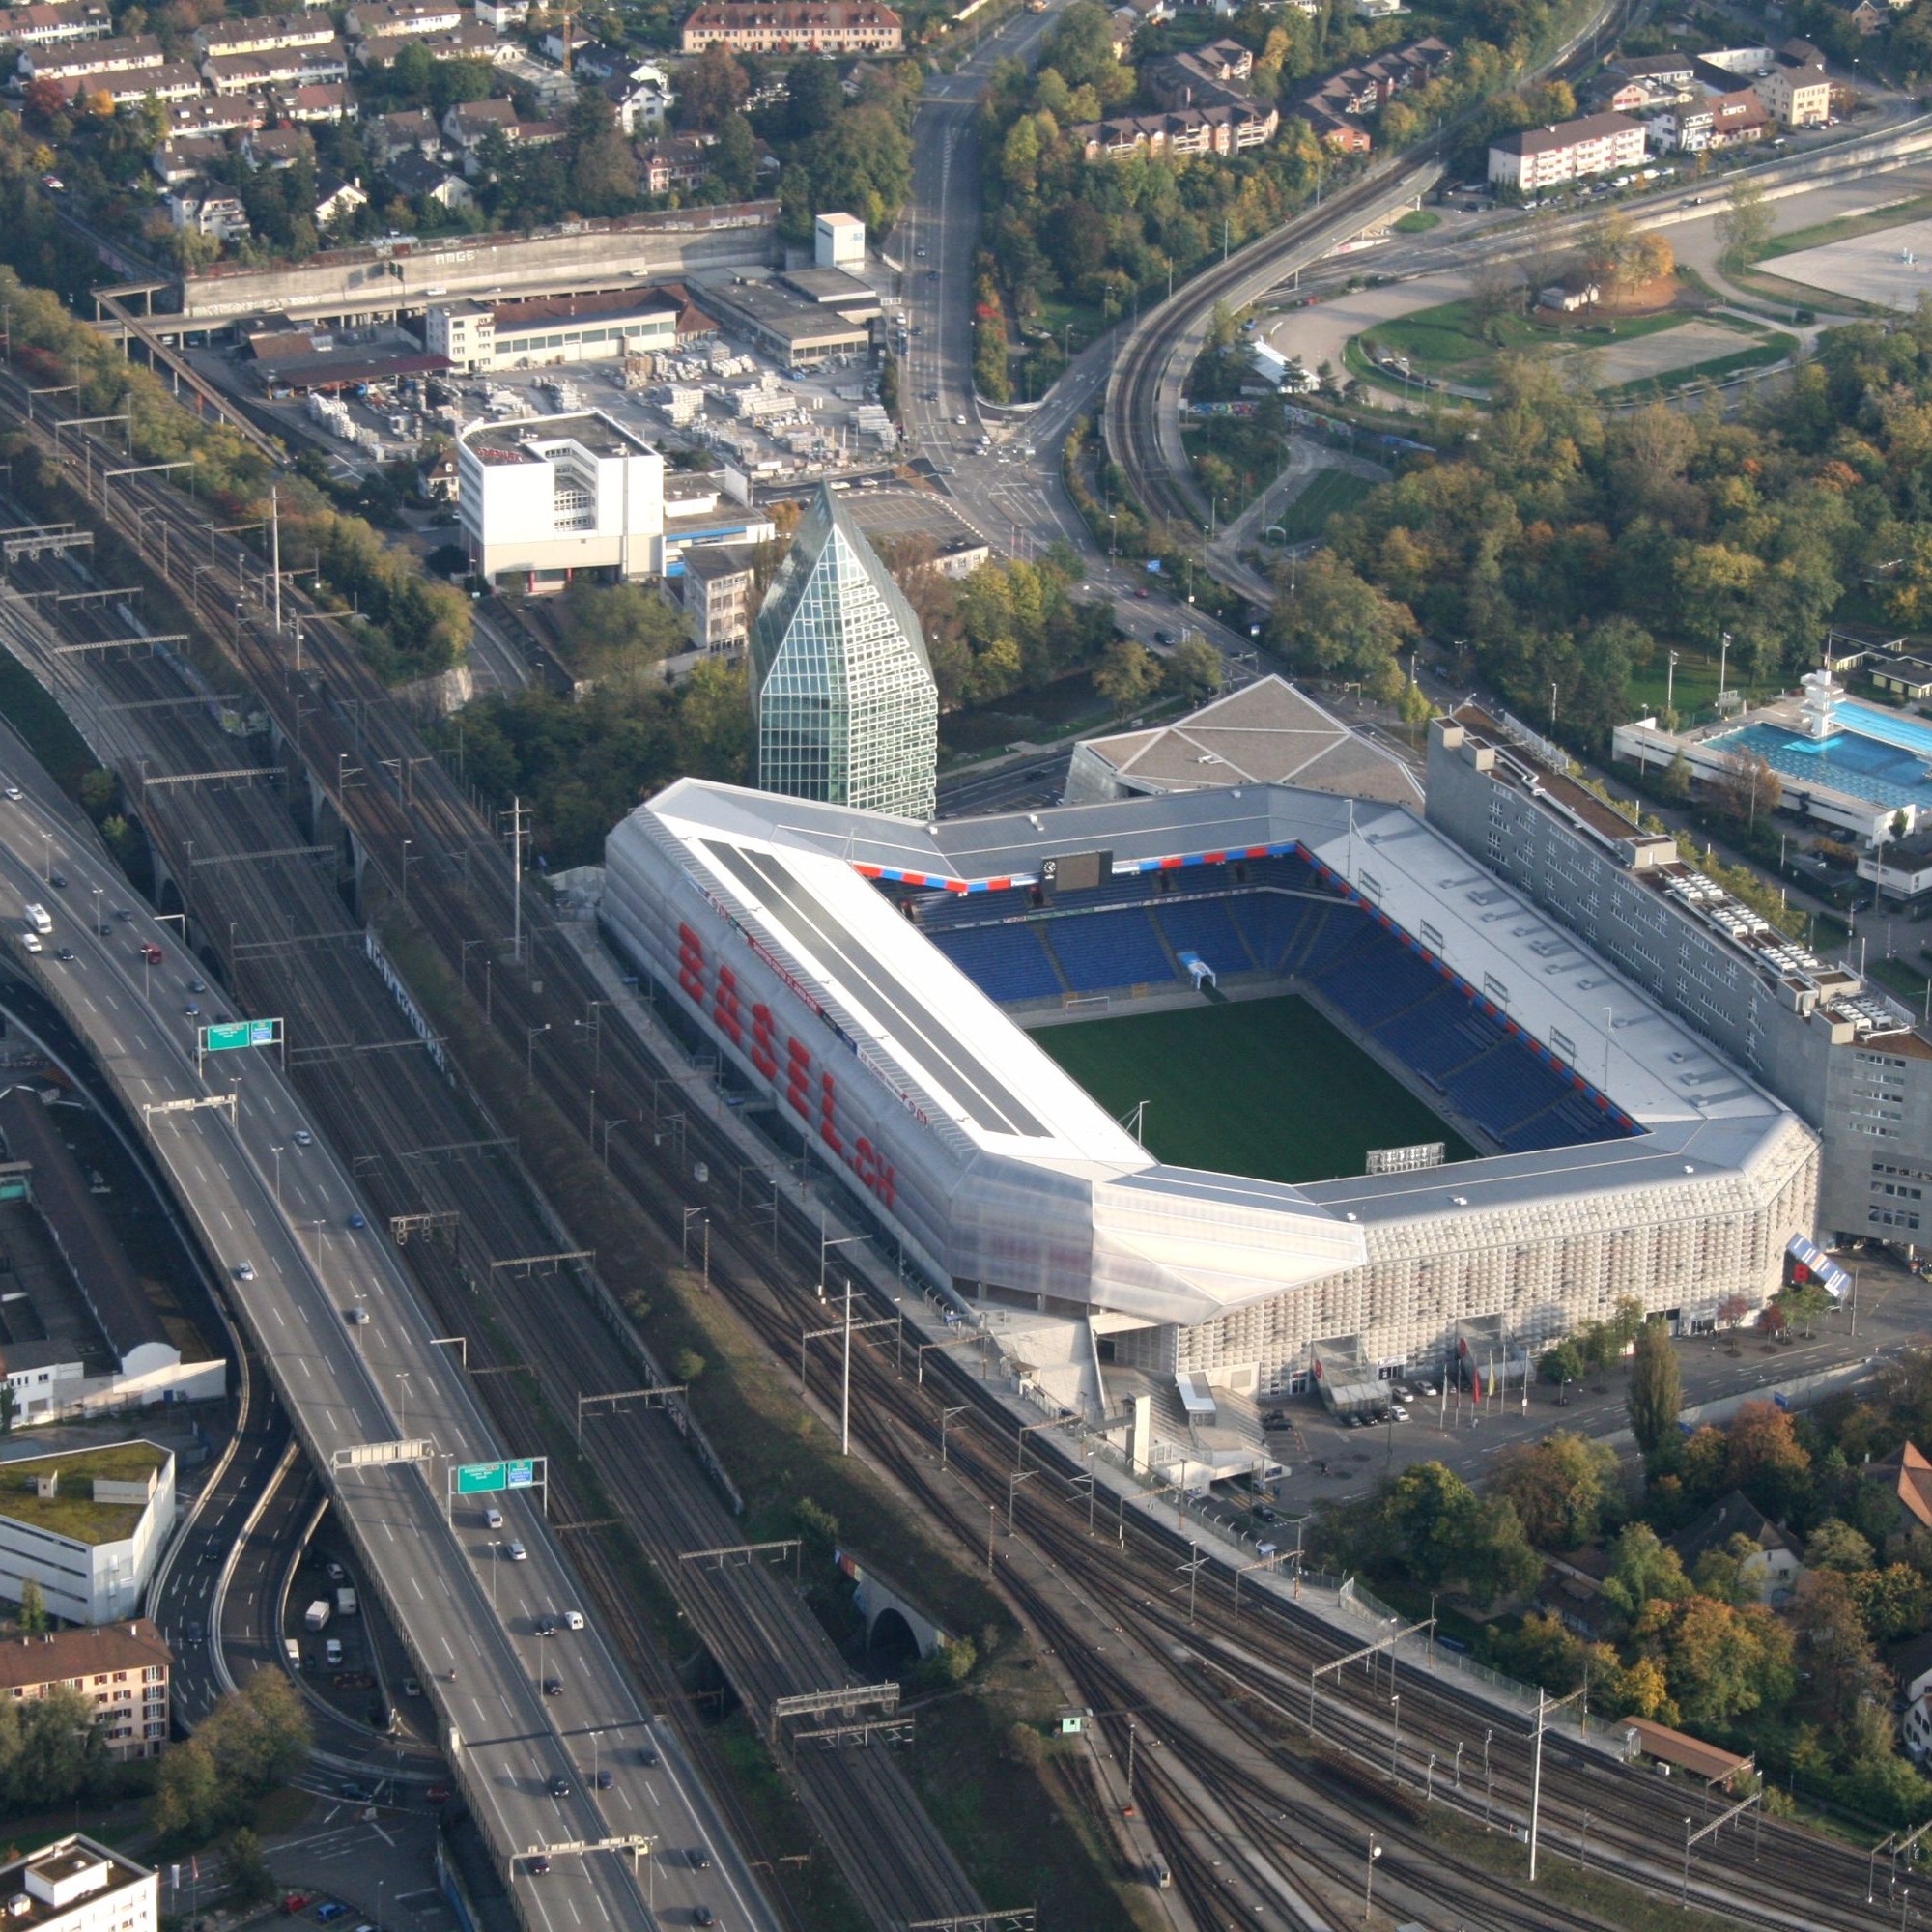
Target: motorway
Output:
{"points": [[354, 1357]]}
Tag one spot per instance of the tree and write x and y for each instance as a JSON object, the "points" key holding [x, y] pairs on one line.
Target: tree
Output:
{"points": [[690, 1366], [1718, 1661], [1562, 1487], [1444, 1532], [250, 1881], [1745, 224], [1833, 1648], [33, 1618], [711, 90], [1744, 785], [1192, 669], [814, 98], [1336, 622], [1764, 1459], [1894, 1601], [1561, 1363], [1656, 1392], [1835, 1545], [1127, 673], [734, 159], [1643, 1570]]}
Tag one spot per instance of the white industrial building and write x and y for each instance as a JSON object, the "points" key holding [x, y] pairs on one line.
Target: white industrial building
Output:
{"points": [[478, 337], [75, 1885], [543, 496], [839, 242], [88, 1525]]}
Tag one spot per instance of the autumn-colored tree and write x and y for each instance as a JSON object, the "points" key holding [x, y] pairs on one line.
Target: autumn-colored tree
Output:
{"points": [[1562, 1487], [1833, 1648], [1764, 1459], [1718, 1661]]}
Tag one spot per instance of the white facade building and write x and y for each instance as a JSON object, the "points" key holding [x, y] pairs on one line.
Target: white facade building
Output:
{"points": [[839, 242], [88, 1526], [75, 1885], [1540, 157], [544, 496]]}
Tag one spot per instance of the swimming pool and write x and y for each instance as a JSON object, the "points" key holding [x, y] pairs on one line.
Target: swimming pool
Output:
{"points": [[1881, 756]]}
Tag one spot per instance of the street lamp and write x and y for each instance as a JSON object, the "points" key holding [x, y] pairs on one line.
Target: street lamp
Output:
{"points": [[403, 1404], [277, 1152], [1369, 1884], [530, 1055]]}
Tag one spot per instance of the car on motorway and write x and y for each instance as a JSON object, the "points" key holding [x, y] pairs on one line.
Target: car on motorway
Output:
{"points": [[546, 1626], [357, 1222], [358, 1316], [559, 1786], [124, 914], [356, 1793], [197, 985], [573, 1620], [647, 1757], [959, 419], [192, 1011], [198, 1631], [436, 1794], [32, 942], [493, 1517], [514, 1551], [537, 1864], [332, 1653], [921, 253], [1163, 636], [302, 1137], [65, 952], [700, 1859], [553, 1687], [1142, 591], [411, 1687], [151, 954], [244, 1271], [15, 793], [932, 274], [702, 1914], [57, 880], [603, 1781]]}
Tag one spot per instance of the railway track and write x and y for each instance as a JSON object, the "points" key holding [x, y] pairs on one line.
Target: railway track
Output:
{"points": [[764, 1640], [462, 886]]}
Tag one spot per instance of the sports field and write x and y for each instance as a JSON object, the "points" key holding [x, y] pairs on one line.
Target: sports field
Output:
{"points": [[1264, 1088]]}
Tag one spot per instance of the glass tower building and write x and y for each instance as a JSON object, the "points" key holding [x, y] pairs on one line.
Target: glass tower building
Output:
{"points": [[842, 697]]}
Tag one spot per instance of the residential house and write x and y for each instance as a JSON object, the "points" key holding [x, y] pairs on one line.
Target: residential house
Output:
{"points": [[1860, 15], [399, 19], [680, 162], [793, 27], [416, 178], [278, 146], [51, 26], [321, 65], [168, 83], [393, 134], [1212, 76], [320, 100], [467, 125], [1184, 130], [266, 34], [1797, 91], [1571, 1589], [1716, 121], [182, 160], [1337, 106], [1126, 26], [214, 114], [121, 1671], [81, 59], [439, 478], [502, 16], [1769, 1570], [1540, 157], [1663, 69], [1910, 1665], [1906, 1477], [468, 41], [640, 98], [1378, 9], [198, 208], [336, 198]]}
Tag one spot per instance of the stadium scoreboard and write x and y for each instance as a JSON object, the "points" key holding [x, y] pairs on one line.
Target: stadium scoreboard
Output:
{"points": [[1076, 871]]}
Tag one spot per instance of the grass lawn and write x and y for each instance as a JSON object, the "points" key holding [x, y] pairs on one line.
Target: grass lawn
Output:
{"points": [[1328, 494], [1695, 689], [1418, 221], [1773, 349], [1229, 1086], [1448, 340]]}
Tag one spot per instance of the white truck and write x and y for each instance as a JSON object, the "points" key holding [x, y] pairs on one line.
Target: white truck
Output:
{"points": [[345, 1603], [316, 1617], [37, 920]]}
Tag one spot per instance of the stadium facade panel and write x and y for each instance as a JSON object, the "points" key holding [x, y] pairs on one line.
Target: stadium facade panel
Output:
{"points": [[809, 944]]}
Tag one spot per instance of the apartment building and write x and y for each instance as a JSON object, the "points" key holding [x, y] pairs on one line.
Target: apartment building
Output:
{"points": [[51, 26], [1540, 157], [122, 1669], [716, 582], [79, 61], [266, 34], [75, 1885], [1186, 130], [794, 26]]}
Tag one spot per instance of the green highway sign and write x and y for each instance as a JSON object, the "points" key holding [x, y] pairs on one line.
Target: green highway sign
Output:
{"points": [[231, 1036], [475, 1478]]}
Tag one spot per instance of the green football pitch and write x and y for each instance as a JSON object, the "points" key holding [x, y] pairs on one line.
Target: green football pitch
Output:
{"points": [[1264, 1088]]}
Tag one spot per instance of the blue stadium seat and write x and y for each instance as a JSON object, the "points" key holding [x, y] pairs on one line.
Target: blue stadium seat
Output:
{"points": [[1098, 951], [1203, 927], [1005, 962]]}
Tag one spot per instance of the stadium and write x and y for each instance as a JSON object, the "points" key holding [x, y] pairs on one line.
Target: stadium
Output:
{"points": [[1229, 1089]]}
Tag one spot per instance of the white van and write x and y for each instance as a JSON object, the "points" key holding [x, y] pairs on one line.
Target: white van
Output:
{"points": [[37, 920], [492, 1518]]}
